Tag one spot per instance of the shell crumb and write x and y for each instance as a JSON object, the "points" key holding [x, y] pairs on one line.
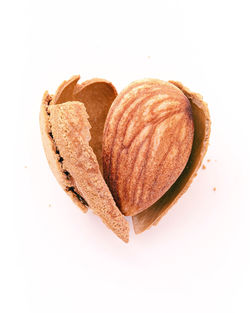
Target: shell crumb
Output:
{"points": [[208, 160], [25, 166], [49, 205], [203, 167], [214, 189]]}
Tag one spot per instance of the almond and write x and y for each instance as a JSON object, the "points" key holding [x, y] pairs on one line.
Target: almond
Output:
{"points": [[147, 141]]}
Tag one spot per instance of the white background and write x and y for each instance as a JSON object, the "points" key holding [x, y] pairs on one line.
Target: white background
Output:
{"points": [[53, 258]]}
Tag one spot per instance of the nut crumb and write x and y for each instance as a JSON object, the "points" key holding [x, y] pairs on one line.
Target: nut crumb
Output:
{"points": [[25, 166], [214, 189], [49, 205], [208, 160], [203, 167], [149, 57]]}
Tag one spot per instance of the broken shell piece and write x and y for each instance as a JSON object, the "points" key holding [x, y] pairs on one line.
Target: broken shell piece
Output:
{"points": [[71, 125]]}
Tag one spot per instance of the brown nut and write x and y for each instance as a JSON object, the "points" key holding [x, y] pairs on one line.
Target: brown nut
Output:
{"points": [[125, 164], [147, 141], [73, 149]]}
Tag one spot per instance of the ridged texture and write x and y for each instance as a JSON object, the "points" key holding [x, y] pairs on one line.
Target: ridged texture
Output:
{"points": [[147, 141]]}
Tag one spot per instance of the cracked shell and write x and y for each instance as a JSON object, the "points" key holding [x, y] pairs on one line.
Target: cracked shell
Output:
{"points": [[71, 124]]}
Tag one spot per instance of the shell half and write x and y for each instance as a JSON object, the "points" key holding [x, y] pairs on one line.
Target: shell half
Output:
{"points": [[71, 124]]}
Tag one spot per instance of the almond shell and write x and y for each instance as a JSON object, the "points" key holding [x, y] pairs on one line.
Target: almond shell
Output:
{"points": [[71, 124]]}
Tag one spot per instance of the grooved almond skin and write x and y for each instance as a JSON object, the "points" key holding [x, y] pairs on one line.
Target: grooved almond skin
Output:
{"points": [[147, 140]]}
